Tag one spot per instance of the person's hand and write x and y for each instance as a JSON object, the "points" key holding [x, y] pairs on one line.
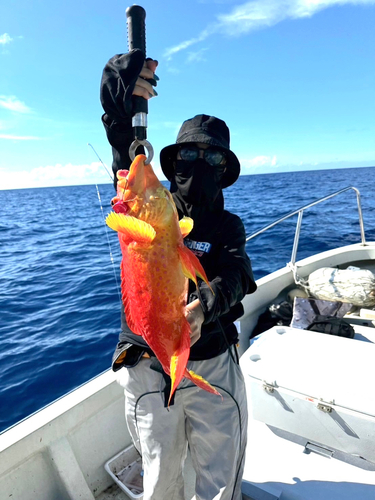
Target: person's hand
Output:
{"points": [[123, 76], [195, 317], [142, 87]]}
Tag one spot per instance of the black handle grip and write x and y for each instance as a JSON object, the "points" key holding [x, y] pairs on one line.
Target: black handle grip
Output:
{"points": [[136, 16]]}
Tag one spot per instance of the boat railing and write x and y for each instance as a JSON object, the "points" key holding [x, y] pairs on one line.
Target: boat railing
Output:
{"points": [[300, 211]]}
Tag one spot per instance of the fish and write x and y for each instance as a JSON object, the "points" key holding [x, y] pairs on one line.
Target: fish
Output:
{"points": [[155, 268]]}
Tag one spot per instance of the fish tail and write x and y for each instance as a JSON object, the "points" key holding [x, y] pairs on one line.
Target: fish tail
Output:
{"points": [[201, 382], [179, 359], [177, 372]]}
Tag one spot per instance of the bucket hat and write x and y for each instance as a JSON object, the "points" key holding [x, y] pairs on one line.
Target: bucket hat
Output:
{"points": [[207, 130]]}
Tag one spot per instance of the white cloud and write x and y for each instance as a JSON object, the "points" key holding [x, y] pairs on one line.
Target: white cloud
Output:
{"points": [[258, 161], [257, 14], [10, 137], [13, 104], [5, 38], [54, 175], [60, 172], [182, 46], [196, 56]]}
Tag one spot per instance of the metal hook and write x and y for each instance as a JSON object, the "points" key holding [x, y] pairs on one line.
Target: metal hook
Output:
{"points": [[135, 144]]}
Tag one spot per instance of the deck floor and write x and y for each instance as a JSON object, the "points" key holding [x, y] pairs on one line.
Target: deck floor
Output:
{"points": [[115, 492]]}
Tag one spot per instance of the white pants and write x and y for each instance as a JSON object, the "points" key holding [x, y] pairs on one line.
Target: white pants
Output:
{"points": [[215, 429]]}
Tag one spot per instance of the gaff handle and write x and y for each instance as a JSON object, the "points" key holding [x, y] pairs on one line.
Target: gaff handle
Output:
{"points": [[136, 16]]}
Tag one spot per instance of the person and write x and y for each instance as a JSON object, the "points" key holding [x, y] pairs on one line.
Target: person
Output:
{"points": [[199, 166]]}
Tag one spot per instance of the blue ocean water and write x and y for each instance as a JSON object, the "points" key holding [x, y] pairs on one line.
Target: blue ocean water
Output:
{"points": [[60, 309]]}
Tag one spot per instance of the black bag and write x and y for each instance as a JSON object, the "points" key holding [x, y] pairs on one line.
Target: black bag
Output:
{"points": [[275, 314], [332, 326]]}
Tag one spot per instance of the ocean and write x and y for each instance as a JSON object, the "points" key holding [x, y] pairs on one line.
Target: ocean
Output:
{"points": [[60, 307]]}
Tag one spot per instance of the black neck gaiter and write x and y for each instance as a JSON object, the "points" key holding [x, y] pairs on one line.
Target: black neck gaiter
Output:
{"points": [[197, 182], [197, 194]]}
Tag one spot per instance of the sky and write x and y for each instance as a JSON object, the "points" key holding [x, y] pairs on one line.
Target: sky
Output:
{"points": [[293, 79]]}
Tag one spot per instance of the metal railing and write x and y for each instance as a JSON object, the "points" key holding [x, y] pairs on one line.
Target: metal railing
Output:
{"points": [[300, 211]]}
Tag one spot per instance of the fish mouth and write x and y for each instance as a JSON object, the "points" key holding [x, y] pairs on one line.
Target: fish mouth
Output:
{"points": [[119, 206], [131, 187], [124, 206]]}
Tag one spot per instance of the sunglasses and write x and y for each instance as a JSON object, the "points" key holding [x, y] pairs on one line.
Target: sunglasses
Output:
{"points": [[212, 156]]}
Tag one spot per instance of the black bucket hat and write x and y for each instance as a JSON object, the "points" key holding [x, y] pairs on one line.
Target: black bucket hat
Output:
{"points": [[207, 130]]}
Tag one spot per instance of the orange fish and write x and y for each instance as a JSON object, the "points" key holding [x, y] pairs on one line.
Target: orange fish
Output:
{"points": [[154, 268]]}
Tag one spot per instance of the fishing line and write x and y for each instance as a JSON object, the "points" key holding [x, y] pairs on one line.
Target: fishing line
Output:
{"points": [[105, 166], [109, 244], [101, 161], [105, 225]]}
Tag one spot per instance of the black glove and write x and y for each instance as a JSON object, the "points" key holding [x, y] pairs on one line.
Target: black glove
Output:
{"points": [[117, 85]]}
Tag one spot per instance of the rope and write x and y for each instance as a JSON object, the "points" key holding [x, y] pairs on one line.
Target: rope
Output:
{"points": [[304, 284]]}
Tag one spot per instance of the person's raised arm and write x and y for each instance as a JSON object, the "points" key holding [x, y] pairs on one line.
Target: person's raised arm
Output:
{"points": [[123, 76]]}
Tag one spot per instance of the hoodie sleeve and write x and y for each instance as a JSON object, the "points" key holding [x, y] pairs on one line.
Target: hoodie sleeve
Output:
{"points": [[120, 138], [234, 276], [116, 88]]}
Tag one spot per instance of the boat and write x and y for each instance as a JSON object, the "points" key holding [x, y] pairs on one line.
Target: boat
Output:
{"points": [[302, 444], [312, 413]]}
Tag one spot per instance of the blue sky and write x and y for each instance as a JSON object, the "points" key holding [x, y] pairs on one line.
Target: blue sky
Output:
{"points": [[293, 79]]}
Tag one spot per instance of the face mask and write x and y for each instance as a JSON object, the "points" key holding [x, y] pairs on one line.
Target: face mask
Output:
{"points": [[197, 182]]}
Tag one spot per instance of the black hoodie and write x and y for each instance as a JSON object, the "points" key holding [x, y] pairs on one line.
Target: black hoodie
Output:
{"points": [[218, 240]]}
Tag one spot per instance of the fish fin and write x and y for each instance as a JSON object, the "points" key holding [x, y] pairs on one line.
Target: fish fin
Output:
{"points": [[186, 225], [179, 359], [201, 382], [135, 229], [191, 267]]}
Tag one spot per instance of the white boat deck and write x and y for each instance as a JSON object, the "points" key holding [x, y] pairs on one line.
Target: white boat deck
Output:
{"points": [[114, 492], [284, 470]]}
